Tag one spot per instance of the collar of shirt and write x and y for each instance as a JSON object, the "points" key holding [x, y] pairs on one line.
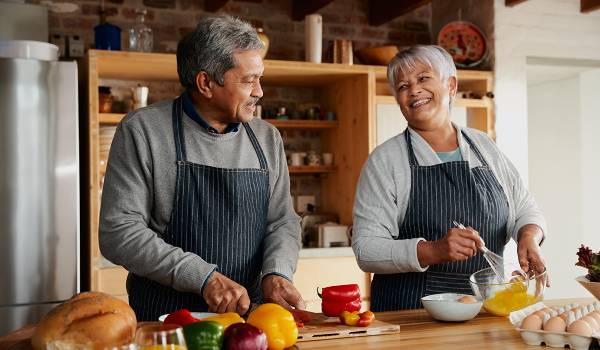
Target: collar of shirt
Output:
{"points": [[190, 110]]}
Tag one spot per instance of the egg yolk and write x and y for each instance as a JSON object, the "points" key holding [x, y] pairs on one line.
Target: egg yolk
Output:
{"points": [[513, 298]]}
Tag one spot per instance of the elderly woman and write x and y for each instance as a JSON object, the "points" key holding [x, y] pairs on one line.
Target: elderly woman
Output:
{"points": [[416, 184]]}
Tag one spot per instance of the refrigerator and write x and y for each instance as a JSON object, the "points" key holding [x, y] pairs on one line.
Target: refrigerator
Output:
{"points": [[39, 182]]}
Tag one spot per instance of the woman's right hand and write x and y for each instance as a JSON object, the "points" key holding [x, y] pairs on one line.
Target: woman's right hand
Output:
{"points": [[457, 245]]}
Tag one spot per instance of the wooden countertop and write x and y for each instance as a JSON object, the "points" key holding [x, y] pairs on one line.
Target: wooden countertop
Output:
{"points": [[417, 331]]}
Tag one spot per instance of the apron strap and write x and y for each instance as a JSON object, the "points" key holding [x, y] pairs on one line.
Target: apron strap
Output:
{"points": [[412, 159], [259, 152], [475, 149], [177, 114]]}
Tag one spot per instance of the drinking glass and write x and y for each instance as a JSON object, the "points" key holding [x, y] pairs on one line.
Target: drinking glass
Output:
{"points": [[159, 336]]}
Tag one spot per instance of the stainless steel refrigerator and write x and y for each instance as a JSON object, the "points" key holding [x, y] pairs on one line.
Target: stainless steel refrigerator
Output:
{"points": [[39, 184]]}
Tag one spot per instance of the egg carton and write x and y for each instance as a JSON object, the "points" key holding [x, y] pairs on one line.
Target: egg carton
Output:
{"points": [[551, 339]]}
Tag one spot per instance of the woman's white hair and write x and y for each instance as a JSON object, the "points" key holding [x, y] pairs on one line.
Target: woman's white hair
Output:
{"points": [[431, 55]]}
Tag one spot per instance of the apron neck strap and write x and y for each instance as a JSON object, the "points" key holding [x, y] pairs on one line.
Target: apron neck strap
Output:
{"points": [[177, 115], [412, 159]]}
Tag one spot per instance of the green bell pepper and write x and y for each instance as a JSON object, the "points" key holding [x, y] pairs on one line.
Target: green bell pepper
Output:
{"points": [[204, 335]]}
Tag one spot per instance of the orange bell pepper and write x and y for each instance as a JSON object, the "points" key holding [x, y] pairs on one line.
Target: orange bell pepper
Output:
{"points": [[277, 323]]}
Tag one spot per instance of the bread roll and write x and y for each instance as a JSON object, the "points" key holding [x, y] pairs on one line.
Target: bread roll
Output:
{"points": [[91, 320]]}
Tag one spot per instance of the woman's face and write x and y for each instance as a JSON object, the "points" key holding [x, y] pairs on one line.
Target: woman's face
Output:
{"points": [[424, 98]]}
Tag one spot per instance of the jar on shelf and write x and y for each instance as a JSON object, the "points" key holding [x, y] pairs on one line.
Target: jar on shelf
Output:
{"points": [[140, 35], [105, 99]]}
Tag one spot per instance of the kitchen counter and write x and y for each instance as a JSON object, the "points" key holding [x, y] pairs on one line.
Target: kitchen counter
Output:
{"points": [[417, 331]]}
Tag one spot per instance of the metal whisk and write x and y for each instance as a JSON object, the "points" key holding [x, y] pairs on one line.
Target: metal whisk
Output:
{"points": [[495, 261]]}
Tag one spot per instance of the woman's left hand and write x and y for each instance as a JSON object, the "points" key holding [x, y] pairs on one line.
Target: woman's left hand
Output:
{"points": [[528, 250]]}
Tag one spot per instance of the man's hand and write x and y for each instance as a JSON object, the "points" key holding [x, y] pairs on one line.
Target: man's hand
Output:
{"points": [[276, 289], [224, 295]]}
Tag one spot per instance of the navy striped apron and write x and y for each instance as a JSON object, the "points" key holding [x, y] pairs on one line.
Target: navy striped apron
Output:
{"points": [[220, 214], [440, 194]]}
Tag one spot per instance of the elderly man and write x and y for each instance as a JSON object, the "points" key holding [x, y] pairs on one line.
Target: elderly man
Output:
{"points": [[196, 202]]}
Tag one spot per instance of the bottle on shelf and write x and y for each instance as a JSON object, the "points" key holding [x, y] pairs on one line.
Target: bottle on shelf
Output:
{"points": [[140, 35]]}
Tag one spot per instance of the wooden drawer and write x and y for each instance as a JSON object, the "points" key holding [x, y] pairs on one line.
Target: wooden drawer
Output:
{"points": [[322, 272]]}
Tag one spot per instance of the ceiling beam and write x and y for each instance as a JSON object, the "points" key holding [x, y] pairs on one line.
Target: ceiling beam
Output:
{"points": [[511, 3], [589, 5], [383, 11], [214, 5], [301, 8]]}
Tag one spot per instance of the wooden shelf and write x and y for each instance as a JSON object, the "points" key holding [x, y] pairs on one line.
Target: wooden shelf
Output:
{"points": [[110, 118], [303, 124], [321, 169]]}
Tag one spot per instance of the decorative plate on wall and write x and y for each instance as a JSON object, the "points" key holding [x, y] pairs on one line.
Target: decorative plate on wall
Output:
{"points": [[465, 42]]}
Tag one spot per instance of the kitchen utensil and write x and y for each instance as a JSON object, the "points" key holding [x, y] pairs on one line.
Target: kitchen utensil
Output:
{"points": [[198, 315], [381, 55], [446, 307], [496, 262], [502, 298]]}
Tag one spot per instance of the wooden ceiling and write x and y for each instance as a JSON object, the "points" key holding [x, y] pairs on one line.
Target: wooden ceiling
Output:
{"points": [[585, 5]]}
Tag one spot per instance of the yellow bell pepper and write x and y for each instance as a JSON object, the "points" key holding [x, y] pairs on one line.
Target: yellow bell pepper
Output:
{"points": [[226, 319], [277, 323]]}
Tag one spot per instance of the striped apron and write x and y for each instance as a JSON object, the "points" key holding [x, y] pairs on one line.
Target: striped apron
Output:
{"points": [[220, 214], [440, 194]]}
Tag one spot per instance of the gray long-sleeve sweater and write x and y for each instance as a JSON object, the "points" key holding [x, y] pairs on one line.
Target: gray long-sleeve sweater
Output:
{"points": [[383, 193], [139, 187]]}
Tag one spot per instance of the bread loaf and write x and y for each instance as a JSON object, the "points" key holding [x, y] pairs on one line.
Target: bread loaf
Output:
{"points": [[94, 321]]}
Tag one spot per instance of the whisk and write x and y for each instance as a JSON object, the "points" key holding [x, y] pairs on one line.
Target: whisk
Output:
{"points": [[495, 261]]}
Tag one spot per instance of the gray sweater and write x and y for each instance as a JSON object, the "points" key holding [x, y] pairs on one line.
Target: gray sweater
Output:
{"points": [[383, 193], [139, 187]]}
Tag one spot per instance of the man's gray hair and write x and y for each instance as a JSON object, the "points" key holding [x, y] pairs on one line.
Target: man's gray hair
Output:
{"points": [[431, 55], [211, 46]]}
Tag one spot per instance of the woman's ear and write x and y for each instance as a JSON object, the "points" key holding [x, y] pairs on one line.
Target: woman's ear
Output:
{"points": [[203, 84], [452, 85]]}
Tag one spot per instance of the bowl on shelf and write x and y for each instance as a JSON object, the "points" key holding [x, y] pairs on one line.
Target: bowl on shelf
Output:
{"points": [[381, 55], [592, 287], [448, 307], [503, 297]]}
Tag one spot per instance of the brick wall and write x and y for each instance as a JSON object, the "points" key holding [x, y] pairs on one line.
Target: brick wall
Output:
{"points": [[171, 19]]}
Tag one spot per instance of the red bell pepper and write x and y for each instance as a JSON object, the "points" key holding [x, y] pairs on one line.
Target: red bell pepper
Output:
{"points": [[180, 317], [336, 299]]}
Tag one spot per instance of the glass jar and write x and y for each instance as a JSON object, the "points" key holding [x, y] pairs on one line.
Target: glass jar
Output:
{"points": [[140, 35], [105, 99]]}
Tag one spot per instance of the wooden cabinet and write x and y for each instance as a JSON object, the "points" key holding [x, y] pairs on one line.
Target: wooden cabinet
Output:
{"points": [[351, 91]]}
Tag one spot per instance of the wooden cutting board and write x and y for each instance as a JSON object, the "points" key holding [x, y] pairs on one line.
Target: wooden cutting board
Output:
{"points": [[331, 328]]}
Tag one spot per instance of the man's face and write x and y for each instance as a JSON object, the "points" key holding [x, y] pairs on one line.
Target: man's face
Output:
{"points": [[236, 99]]}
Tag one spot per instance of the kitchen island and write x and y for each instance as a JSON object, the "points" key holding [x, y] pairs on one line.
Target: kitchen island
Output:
{"points": [[417, 331]]}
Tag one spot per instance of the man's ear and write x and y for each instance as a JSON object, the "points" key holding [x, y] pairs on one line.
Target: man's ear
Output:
{"points": [[452, 86], [204, 84]]}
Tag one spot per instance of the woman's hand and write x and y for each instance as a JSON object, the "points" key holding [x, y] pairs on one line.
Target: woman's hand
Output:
{"points": [[456, 245], [528, 250]]}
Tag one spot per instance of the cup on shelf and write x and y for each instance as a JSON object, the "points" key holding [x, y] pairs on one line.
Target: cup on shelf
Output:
{"points": [[139, 96], [298, 158], [327, 159], [313, 158]]}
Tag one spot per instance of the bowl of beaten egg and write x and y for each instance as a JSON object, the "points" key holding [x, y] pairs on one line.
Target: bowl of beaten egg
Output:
{"points": [[451, 306], [503, 297]]}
